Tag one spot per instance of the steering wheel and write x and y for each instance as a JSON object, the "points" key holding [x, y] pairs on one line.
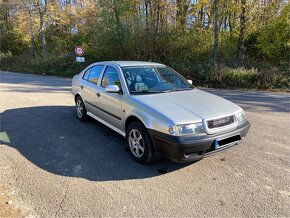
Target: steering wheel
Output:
{"points": [[133, 82]]}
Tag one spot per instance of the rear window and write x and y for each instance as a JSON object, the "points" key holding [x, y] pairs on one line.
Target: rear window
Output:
{"points": [[86, 74]]}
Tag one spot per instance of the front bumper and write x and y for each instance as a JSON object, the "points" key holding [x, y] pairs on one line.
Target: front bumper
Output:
{"points": [[192, 148]]}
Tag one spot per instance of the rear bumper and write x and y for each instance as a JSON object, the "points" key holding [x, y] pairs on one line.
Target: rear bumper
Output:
{"points": [[192, 148]]}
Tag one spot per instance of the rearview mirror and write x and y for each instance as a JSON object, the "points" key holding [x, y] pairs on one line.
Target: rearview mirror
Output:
{"points": [[112, 88], [190, 81]]}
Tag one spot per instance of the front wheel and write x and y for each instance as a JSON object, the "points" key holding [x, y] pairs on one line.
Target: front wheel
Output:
{"points": [[139, 143]]}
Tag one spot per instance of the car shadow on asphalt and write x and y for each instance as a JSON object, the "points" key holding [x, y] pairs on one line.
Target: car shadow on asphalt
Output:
{"points": [[53, 139]]}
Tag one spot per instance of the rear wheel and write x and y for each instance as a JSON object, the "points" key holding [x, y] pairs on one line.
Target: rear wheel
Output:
{"points": [[81, 109], [139, 143]]}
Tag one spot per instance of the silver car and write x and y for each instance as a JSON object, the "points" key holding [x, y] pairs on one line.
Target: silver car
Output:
{"points": [[158, 111]]}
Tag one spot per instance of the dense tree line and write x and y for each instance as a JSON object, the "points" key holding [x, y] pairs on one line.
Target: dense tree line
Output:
{"points": [[197, 37]]}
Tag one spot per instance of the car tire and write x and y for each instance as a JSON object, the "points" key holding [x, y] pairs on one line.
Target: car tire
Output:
{"points": [[81, 110], [139, 143]]}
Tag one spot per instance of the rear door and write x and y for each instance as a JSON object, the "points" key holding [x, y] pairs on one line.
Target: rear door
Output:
{"points": [[90, 86], [110, 104]]}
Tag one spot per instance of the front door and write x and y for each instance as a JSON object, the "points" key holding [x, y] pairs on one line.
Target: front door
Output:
{"points": [[110, 104]]}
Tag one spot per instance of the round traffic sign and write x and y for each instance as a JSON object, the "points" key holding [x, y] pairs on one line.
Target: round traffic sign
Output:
{"points": [[79, 50]]}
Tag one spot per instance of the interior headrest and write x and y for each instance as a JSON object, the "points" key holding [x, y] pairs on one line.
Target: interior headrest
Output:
{"points": [[138, 78]]}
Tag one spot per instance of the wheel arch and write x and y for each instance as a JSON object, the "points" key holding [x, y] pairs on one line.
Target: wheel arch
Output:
{"points": [[77, 95], [133, 118]]}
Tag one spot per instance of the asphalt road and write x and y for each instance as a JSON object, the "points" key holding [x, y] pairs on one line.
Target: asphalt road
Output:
{"points": [[55, 165]]}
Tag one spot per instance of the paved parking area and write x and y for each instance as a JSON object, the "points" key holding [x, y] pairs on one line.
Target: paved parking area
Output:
{"points": [[54, 165]]}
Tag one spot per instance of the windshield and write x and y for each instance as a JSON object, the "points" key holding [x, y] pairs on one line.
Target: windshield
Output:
{"points": [[154, 79]]}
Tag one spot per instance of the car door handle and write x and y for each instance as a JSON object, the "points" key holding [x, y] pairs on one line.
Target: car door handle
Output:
{"points": [[98, 94], [82, 87]]}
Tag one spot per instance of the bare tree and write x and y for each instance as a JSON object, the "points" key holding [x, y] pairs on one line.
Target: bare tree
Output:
{"points": [[29, 6], [42, 8], [181, 13], [216, 33], [241, 42]]}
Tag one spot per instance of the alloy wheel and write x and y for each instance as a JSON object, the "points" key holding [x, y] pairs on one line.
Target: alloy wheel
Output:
{"points": [[136, 143], [79, 108]]}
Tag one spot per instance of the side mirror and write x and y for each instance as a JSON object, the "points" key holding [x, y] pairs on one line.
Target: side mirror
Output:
{"points": [[112, 89], [190, 81]]}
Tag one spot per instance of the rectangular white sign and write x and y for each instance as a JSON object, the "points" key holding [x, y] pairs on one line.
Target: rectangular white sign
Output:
{"points": [[80, 59]]}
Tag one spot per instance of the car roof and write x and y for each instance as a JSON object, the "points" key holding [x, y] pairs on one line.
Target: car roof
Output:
{"points": [[129, 63]]}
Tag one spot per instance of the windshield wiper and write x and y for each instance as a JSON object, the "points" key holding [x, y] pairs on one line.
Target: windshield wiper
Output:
{"points": [[159, 91], [145, 92], [182, 89]]}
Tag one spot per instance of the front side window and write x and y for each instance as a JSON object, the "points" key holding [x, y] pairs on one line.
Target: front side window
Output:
{"points": [[95, 73], [154, 79], [111, 77]]}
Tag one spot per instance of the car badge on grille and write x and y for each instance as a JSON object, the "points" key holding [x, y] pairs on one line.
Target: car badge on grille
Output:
{"points": [[220, 122]]}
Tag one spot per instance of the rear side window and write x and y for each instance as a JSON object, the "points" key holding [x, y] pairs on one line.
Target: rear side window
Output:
{"points": [[111, 77], [95, 74], [86, 74]]}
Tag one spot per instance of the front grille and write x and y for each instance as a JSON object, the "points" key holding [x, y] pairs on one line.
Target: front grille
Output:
{"points": [[216, 123]]}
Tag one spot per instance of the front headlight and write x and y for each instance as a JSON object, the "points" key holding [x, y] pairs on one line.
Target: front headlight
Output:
{"points": [[241, 117], [186, 129]]}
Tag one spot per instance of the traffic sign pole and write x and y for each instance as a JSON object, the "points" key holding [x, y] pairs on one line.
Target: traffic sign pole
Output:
{"points": [[79, 50]]}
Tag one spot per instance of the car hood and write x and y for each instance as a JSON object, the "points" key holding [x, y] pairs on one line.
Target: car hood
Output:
{"points": [[188, 106]]}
